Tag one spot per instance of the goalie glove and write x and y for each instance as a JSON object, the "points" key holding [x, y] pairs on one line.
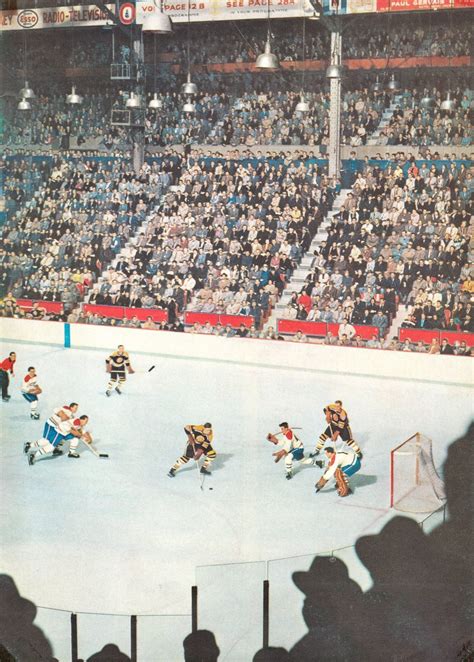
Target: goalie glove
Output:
{"points": [[279, 454], [320, 484], [271, 437]]}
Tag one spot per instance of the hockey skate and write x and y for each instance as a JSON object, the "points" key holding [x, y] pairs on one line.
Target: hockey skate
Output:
{"points": [[31, 459], [118, 390], [172, 473], [34, 416], [318, 463], [205, 471], [57, 451], [289, 476], [72, 454], [6, 398], [108, 393], [314, 453], [26, 447]]}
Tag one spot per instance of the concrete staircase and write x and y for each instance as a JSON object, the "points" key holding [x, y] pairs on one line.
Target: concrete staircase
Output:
{"points": [[385, 120], [299, 275]]}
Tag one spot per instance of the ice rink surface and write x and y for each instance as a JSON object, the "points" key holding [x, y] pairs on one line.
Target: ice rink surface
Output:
{"points": [[118, 536]]}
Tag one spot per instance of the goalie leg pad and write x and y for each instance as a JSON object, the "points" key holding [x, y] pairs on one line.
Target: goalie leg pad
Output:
{"points": [[342, 484]]}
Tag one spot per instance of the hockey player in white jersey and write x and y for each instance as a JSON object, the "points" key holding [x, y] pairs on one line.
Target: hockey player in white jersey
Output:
{"points": [[292, 448], [61, 426], [30, 390], [342, 464]]}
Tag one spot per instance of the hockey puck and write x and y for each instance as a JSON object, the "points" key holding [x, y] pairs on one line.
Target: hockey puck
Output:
{"points": [[103, 455], [211, 488], [152, 368]]}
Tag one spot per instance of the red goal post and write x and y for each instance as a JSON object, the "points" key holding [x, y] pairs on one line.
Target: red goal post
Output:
{"points": [[415, 485]]}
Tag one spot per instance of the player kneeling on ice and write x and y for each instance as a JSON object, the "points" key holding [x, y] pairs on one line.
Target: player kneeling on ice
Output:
{"points": [[30, 390], [199, 444], [293, 448], [341, 465]]}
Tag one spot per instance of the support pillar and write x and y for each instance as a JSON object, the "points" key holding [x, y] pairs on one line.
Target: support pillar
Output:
{"points": [[334, 75]]}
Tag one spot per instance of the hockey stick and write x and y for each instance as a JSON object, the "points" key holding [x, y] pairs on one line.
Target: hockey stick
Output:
{"points": [[94, 450], [201, 476]]}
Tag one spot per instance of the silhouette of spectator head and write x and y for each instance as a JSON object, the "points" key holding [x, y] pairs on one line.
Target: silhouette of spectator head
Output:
{"points": [[201, 646], [272, 654], [330, 610], [109, 653], [317, 584], [18, 636], [385, 554]]}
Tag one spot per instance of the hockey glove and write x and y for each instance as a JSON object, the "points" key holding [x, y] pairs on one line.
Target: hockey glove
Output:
{"points": [[279, 454], [271, 437], [320, 484]]}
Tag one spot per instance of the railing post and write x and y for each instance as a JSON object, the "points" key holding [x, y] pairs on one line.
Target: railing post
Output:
{"points": [[266, 619], [133, 638], [194, 608], [74, 653]]}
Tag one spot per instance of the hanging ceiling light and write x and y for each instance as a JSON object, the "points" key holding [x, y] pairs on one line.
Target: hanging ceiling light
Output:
{"points": [[427, 101], [155, 103], [333, 71], [133, 101], [27, 92], [302, 106], [189, 87], [189, 107], [74, 99], [393, 84], [157, 21], [24, 104], [267, 60], [377, 85], [448, 103]]}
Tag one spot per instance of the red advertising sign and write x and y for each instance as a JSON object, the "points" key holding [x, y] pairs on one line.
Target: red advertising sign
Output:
{"points": [[415, 5]]}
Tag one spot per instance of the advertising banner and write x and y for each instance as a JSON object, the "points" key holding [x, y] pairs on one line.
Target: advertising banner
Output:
{"points": [[54, 17], [416, 5], [226, 10], [199, 10]]}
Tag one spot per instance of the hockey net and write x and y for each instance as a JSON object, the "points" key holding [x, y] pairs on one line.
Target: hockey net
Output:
{"points": [[415, 484]]}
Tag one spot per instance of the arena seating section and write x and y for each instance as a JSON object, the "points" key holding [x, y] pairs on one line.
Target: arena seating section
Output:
{"points": [[209, 240]]}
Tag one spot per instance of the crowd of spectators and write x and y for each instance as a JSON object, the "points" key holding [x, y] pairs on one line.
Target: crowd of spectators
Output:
{"points": [[263, 112], [242, 109], [413, 124], [401, 236], [225, 240], [20, 179], [75, 225]]}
